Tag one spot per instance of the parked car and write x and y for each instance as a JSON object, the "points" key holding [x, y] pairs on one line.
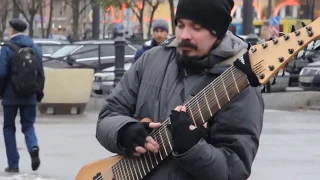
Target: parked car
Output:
{"points": [[49, 46], [309, 55], [85, 54], [104, 80], [309, 77]]}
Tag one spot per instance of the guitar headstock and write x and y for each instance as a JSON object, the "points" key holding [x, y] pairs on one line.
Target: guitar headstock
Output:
{"points": [[268, 58]]}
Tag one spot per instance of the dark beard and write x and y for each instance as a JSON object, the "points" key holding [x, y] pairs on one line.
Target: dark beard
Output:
{"points": [[187, 62], [184, 60]]}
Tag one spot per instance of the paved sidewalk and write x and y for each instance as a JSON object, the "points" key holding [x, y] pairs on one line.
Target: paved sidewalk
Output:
{"points": [[289, 150]]}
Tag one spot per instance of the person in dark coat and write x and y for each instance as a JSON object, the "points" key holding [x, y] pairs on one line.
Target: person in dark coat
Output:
{"points": [[160, 86], [12, 103], [160, 30]]}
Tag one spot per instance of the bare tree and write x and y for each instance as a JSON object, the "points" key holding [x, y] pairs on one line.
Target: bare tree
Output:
{"points": [[137, 7], [77, 10], [173, 24], [311, 7], [154, 4], [29, 9], [4, 11], [50, 19], [41, 17], [105, 4]]}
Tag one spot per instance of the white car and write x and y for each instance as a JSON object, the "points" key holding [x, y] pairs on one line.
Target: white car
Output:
{"points": [[309, 77], [104, 80]]}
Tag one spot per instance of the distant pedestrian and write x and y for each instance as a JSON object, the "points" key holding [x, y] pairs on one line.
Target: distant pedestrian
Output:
{"points": [[22, 83], [160, 30]]}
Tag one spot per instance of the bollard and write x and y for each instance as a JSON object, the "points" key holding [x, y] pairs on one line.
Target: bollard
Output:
{"points": [[252, 39], [119, 59]]}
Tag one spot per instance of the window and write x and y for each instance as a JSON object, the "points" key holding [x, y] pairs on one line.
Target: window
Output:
{"points": [[49, 49], [66, 50], [109, 50], [87, 51], [59, 9]]}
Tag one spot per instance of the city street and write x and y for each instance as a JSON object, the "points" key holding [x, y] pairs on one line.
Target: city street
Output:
{"points": [[289, 150]]}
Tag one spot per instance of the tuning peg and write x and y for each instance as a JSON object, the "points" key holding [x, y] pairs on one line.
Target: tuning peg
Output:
{"points": [[281, 34], [303, 24], [293, 28]]}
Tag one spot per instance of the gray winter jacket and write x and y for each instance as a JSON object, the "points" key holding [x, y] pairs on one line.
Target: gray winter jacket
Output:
{"points": [[152, 88]]}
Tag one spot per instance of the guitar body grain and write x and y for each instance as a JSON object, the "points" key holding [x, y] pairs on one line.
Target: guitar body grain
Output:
{"points": [[98, 170]]}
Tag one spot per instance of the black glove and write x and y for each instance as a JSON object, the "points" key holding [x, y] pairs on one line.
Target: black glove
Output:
{"points": [[245, 66], [182, 137], [133, 135], [40, 96]]}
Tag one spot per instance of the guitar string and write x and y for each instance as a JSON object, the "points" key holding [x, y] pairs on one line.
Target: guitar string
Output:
{"points": [[116, 166], [221, 93]]}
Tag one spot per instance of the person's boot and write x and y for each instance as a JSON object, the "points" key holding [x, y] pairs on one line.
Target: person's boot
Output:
{"points": [[11, 170], [35, 160]]}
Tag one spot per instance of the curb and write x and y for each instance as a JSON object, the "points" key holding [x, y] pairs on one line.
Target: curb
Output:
{"points": [[277, 101], [292, 100]]}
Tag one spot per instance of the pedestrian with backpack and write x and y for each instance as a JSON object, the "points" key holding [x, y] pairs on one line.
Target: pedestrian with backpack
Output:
{"points": [[21, 83]]}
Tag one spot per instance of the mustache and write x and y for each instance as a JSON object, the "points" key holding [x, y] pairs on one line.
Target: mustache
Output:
{"points": [[187, 44]]}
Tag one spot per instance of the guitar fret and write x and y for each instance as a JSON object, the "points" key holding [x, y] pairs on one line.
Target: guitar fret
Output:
{"points": [[114, 173], [121, 169], [192, 117], [159, 145], [156, 138], [139, 167], [231, 86], [150, 160], [199, 108], [164, 145], [224, 86], [129, 170], [142, 165], [234, 80], [215, 94], [155, 157], [133, 167], [168, 138], [146, 162], [207, 102]]}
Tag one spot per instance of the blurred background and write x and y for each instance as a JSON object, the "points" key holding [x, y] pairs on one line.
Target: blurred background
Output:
{"points": [[82, 33]]}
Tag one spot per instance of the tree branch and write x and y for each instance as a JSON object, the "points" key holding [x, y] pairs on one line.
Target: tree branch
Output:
{"points": [[84, 8], [19, 6], [133, 6]]}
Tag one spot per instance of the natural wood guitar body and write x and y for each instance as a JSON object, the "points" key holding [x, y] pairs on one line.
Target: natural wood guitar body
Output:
{"points": [[101, 169], [98, 170]]}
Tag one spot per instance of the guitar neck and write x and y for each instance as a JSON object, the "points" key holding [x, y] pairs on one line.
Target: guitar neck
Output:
{"points": [[199, 109], [216, 95]]}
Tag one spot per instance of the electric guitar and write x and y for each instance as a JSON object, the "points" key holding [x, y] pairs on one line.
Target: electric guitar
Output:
{"points": [[266, 60]]}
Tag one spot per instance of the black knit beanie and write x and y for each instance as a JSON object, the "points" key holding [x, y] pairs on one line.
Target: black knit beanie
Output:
{"points": [[213, 15]]}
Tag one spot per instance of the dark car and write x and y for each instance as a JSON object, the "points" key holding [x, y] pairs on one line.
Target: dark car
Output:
{"points": [[305, 57], [309, 77], [88, 54]]}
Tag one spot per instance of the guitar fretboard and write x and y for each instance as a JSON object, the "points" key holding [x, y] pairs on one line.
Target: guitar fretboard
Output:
{"points": [[199, 109]]}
